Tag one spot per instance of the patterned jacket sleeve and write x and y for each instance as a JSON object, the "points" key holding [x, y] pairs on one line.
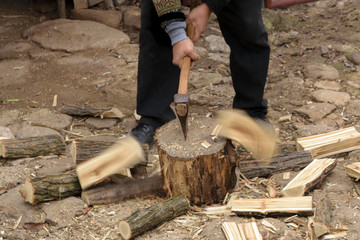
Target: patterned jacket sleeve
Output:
{"points": [[169, 11]]}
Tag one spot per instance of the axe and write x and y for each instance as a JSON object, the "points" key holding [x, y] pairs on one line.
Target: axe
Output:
{"points": [[181, 99]]}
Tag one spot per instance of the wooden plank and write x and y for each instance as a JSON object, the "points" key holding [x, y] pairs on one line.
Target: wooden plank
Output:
{"points": [[241, 231], [327, 144], [81, 4], [298, 205], [310, 176], [353, 170]]}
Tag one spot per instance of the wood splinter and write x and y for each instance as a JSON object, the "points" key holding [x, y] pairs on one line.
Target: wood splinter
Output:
{"points": [[241, 231]]}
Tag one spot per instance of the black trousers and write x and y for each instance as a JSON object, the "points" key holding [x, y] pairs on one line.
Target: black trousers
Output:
{"points": [[243, 30]]}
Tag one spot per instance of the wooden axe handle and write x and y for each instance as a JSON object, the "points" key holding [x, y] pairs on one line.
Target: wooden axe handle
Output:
{"points": [[186, 64]]}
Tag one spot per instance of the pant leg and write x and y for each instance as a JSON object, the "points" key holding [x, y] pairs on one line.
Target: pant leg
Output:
{"points": [[242, 27], [158, 78]]}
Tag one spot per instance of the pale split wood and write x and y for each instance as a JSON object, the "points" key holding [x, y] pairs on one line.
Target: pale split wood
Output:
{"points": [[241, 231], [299, 205], [330, 143], [314, 173], [353, 170], [124, 154], [238, 126]]}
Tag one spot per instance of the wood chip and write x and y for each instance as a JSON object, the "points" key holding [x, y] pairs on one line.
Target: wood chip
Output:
{"points": [[286, 175], [206, 144], [55, 100]]}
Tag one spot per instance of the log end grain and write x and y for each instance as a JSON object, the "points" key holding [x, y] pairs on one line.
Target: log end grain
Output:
{"points": [[28, 191], [125, 230]]}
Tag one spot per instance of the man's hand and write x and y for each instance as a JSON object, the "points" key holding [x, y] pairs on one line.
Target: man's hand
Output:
{"points": [[182, 49], [199, 16]]}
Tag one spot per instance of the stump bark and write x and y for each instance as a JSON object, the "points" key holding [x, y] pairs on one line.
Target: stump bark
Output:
{"points": [[199, 167]]}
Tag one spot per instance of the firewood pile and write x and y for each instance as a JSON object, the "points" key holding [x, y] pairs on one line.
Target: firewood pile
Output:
{"points": [[97, 162]]}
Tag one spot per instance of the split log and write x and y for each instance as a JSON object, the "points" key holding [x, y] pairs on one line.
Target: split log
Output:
{"points": [[282, 163], [50, 187], [93, 110], [274, 206], [309, 177], [144, 220], [126, 153], [241, 231], [353, 170], [327, 144], [114, 193], [32, 147], [203, 175]]}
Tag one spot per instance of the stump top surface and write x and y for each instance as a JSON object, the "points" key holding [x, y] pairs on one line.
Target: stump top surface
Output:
{"points": [[170, 138]]}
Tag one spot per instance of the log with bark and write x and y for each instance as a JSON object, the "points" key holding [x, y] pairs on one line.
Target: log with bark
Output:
{"points": [[282, 163], [149, 218], [116, 192], [125, 154], [322, 215], [98, 110], [273, 206], [83, 150], [32, 147], [309, 177], [50, 187], [241, 231], [327, 144], [204, 173]]}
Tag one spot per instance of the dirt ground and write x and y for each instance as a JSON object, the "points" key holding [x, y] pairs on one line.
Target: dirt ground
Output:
{"points": [[313, 87]]}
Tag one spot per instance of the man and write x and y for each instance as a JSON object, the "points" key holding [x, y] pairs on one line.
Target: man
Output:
{"points": [[163, 45]]}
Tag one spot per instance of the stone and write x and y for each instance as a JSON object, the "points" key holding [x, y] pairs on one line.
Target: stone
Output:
{"points": [[217, 44], [203, 52], [132, 17], [13, 206], [11, 177], [338, 98], [279, 21], [75, 35], [316, 111], [353, 108], [27, 131], [354, 58], [45, 6], [5, 132], [61, 213], [215, 95], [15, 50], [334, 120], [107, 17], [50, 119], [321, 71], [203, 79], [220, 57], [310, 130], [129, 52], [101, 123], [13, 72], [328, 85]]}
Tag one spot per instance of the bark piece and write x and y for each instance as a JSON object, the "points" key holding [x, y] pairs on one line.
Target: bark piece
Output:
{"points": [[50, 187], [32, 147], [203, 175], [241, 231], [353, 170], [93, 110], [327, 144], [322, 206], [114, 193], [309, 177], [276, 206], [144, 220], [282, 163], [126, 153], [320, 229]]}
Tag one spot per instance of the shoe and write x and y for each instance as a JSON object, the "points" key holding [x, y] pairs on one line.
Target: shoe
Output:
{"points": [[144, 133]]}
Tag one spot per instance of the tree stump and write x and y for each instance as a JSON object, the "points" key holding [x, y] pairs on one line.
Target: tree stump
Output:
{"points": [[200, 168]]}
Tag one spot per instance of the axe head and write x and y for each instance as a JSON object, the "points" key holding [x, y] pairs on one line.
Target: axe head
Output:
{"points": [[182, 109]]}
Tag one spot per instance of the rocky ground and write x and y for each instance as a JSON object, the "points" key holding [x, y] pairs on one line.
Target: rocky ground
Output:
{"points": [[314, 80]]}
